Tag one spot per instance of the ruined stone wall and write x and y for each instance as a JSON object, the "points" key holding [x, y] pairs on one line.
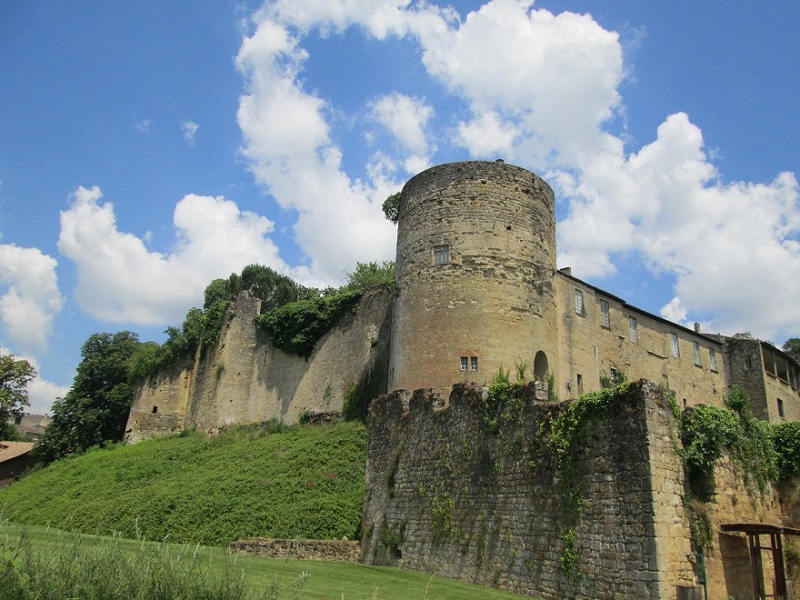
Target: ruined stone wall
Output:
{"points": [[591, 349], [489, 296], [247, 380], [160, 403], [445, 494], [733, 500]]}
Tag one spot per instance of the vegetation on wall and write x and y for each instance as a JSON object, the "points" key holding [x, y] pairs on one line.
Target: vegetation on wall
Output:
{"points": [[296, 327], [708, 431], [391, 207]]}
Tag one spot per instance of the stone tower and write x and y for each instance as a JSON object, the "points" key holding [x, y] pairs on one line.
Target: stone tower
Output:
{"points": [[475, 268]]}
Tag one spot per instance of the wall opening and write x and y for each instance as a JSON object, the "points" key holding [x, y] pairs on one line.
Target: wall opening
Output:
{"points": [[540, 365]]}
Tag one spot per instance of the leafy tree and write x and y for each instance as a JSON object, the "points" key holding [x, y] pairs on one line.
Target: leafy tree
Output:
{"points": [[792, 348], [370, 274], [391, 207], [14, 377], [95, 410]]}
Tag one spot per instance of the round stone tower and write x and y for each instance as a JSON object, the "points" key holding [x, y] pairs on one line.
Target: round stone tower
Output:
{"points": [[475, 269]]}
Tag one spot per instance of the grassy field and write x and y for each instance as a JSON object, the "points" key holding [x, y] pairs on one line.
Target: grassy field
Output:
{"points": [[59, 565], [268, 481]]}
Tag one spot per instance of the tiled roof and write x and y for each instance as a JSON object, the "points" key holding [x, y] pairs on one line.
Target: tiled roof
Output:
{"points": [[9, 450]]}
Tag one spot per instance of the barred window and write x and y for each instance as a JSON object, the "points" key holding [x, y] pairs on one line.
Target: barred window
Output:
{"points": [[441, 255], [633, 328], [605, 319], [579, 308], [676, 351], [696, 348]]}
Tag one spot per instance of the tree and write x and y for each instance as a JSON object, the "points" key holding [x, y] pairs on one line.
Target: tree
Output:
{"points": [[370, 274], [792, 348], [95, 410], [391, 207], [14, 377]]}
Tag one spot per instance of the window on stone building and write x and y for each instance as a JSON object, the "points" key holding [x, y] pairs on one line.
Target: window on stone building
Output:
{"points": [[473, 363], [712, 359], [676, 351], [780, 409], [696, 349], [605, 319], [441, 254], [579, 308], [633, 327], [580, 384], [464, 363]]}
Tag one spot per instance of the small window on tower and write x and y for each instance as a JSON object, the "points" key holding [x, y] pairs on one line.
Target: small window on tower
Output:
{"points": [[464, 363], [633, 329], [781, 413], [441, 254], [712, 359], [473, 363], [696, 349]]}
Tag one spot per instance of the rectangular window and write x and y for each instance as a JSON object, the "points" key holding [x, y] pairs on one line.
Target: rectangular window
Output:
{"points": [[463, 363], [579, 309], [580, 384], [712, 359], [676, 351], [473, 363], [780, 409], [441, 255], [696, 348], [605, 320], [634, 333]]}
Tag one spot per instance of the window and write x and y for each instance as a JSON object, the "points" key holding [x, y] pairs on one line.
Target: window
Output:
{"points": [[580, 384], [441, 255], [473, 363], [676, 351], [780, 409], [696, 348], [712, 359], [634, 332], [579, 309], [463, 363], [605, 320]]}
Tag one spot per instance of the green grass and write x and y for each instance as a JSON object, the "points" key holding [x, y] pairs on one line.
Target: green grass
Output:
{"points": [[301, 482], [70, 565]]}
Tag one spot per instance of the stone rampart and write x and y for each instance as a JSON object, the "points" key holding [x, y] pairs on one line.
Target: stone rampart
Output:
{"points": [[446, 494], [245, 379]]}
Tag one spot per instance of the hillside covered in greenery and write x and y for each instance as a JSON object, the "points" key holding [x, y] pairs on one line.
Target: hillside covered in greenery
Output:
{"points": [[259, 481]]}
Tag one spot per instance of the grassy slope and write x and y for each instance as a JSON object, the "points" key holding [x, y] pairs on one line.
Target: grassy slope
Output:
{"points": [[306, 482]]}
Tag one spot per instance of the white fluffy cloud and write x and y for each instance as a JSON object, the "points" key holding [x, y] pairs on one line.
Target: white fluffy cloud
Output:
{"points": [[732, 248], [289, 150], [120, 280], [29, 295], [41, 393]]}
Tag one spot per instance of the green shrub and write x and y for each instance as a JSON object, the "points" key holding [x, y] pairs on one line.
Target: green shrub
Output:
{"points": [[296, 327], [786, 439]]}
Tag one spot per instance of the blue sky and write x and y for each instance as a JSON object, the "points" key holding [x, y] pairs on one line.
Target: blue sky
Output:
{"points": [[147, 148]]}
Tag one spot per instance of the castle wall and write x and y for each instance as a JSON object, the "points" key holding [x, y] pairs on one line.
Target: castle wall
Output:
{"points": [[445, 495], [474, 274], [593, 348], [247, 380], [160, 403]]}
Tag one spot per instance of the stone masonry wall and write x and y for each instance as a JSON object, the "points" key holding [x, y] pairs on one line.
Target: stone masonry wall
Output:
{"points": [[445, 494], [247, 380]]}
